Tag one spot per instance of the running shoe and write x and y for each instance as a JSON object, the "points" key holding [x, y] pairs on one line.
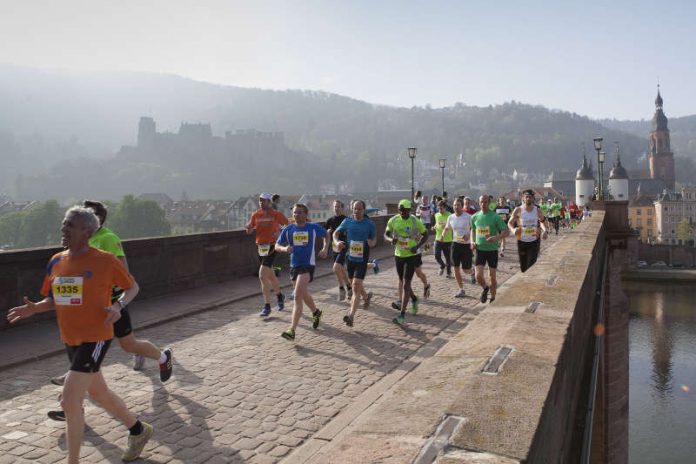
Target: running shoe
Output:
{"points": [[502, 255], [441, 271], [426, 247], [399, 320], [376, 264], [136, 443], [426, 291], [281, 302], [292, 295], [396, 305], [349, 293], [449, 275], [473, 278], [288, 335], [460, 294], [166, 367], [59, 379], [348, 320], [484, 295], [138, 362], [265, 312], [341, 294], [366, 303], [414, 306], [316, 318], [492, 299], [57, 415]]}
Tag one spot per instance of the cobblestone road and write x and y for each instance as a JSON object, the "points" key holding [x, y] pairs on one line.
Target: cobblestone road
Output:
{"points": [[240, 393]]}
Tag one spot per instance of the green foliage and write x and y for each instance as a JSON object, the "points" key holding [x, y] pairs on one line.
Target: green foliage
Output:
{"points": [[135, 217], [10, 227], [38, 226], [685, 231]]}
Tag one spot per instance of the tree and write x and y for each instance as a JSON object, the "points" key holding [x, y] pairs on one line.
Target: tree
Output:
{"points": [[41, 225], [685, 231], [10, 225], [135, 217]]}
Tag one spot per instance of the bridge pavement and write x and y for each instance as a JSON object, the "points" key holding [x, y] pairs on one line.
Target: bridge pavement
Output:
{"points": [[240, 393]]}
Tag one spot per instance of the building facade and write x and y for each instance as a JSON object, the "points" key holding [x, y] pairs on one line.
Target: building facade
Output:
{"points": [[642, 218], [672, 209]]}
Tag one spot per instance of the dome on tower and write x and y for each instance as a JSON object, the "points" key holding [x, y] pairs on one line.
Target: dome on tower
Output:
{"points": [[618, 171], [585, 171]]}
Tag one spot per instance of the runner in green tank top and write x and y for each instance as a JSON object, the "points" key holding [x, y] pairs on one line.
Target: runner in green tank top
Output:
{"points": [[487, 230]]}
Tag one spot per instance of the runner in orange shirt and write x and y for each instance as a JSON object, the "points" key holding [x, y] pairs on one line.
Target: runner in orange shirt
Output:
{"points": [[78, 286], [267, 223]]}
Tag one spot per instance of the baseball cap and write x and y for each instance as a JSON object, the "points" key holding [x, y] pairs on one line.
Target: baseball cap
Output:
{"points": [[266, 196], [528, 192], [405, 204]]}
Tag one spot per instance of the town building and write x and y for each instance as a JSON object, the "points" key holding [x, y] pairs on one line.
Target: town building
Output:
{"points": [[671, 208], [641, 217]]}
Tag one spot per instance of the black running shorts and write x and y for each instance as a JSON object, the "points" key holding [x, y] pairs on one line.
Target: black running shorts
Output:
{"points": [[123, 326], [295, 271], [406, 267], [356, 270], [490, 257], [462, 255], [88, 356], [269, 259], [340, 256]]}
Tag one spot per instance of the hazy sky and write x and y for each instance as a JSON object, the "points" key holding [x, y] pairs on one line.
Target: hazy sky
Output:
{"points": [[596, 58]]}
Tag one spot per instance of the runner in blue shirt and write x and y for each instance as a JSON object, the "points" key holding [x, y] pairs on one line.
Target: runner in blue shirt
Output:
{"points": [[361, 234], [299, 239]]}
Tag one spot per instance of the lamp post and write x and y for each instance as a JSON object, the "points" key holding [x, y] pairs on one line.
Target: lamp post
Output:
{"points": [[442, 167], [600, 161], [412, 155]]}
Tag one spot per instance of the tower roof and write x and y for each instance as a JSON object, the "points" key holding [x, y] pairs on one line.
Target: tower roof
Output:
{"points": [[659, 121], [585, 171], [618, 171]]}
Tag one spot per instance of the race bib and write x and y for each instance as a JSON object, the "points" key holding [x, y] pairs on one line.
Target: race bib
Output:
{"points": [[67, 291], [264, 249], [459, 237], [483, 231], [404, 244], [441, 223], [300, 238], [334, 247], [529, 231], [356, 249]]}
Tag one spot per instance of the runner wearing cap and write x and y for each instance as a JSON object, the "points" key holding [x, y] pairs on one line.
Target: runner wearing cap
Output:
{"points": [[402, 231], [299, 239], [487, 229], [526, 221], [267, 223]]}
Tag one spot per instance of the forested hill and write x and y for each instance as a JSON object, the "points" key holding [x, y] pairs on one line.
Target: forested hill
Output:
{"points": [[50, 116]]}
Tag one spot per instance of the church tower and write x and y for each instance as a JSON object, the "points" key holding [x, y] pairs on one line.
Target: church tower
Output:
{"points": [[661, 157]]}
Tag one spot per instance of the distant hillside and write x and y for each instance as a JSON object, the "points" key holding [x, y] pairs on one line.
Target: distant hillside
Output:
{"points": [[682, 131], [48, 117]]}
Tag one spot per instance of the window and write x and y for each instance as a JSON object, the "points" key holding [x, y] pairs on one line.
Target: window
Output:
{"points": [[638, 212], [650, 212], [650, 222], [649, 232], [638, 223]]}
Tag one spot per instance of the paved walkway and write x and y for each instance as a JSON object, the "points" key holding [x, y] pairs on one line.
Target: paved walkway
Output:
{"points": [[239, 393]]}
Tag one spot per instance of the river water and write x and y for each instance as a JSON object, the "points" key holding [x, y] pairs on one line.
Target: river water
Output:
{"points": [[662, 344]]}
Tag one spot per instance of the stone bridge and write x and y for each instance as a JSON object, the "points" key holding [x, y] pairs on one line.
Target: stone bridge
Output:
{"points": [[538, 376]]}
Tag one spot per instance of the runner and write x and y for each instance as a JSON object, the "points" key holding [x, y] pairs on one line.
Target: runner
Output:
{"points": [[402, 231], [78, 285], [470, 210], [360, 234], [267, 222], [106, 240], [443, 242], [459, 225], [339, 255], [525, 222], [298, 239], [487, 229], [555, 213], [502, 209]]}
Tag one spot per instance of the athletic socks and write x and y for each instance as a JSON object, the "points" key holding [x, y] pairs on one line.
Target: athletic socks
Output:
{"points": [[137, 429]]}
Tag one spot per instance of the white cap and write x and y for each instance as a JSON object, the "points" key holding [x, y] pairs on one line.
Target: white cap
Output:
{"points": [[266, 196]]}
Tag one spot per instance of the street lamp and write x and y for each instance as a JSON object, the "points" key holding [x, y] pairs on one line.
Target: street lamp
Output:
{"points": [[600, 161], [442, 167], [412, 155]]}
